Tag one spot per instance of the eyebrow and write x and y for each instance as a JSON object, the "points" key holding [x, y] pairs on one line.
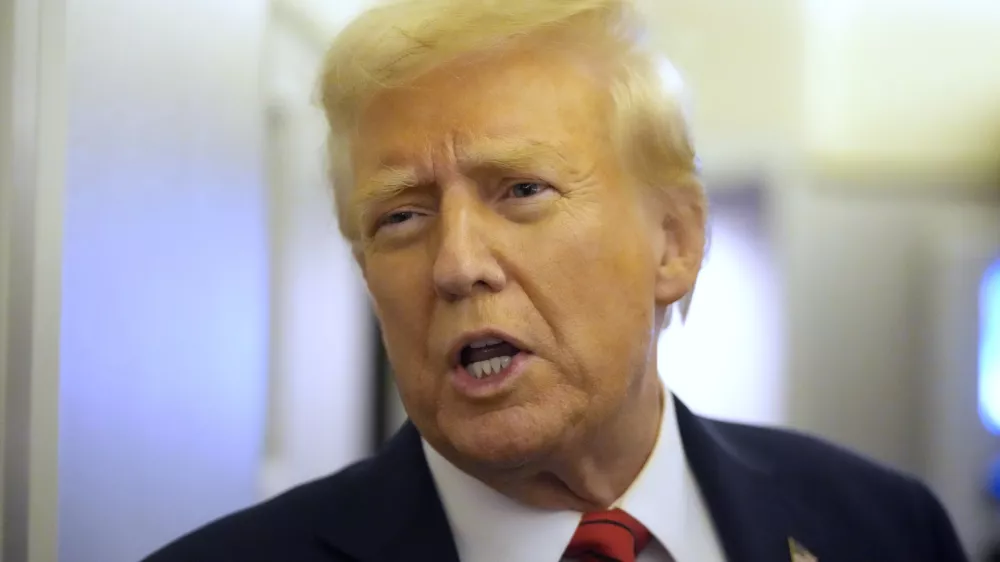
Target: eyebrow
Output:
{"points": [[384, 185], [500, 153]]}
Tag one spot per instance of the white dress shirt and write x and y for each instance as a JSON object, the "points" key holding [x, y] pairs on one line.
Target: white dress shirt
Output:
{"points": [[490, 527]]}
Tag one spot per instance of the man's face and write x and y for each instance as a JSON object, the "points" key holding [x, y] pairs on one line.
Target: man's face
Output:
{"points": [[512, 264]]}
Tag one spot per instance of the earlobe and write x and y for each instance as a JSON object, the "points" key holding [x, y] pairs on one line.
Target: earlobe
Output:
{"points": [[682, 236], [674, 280]]}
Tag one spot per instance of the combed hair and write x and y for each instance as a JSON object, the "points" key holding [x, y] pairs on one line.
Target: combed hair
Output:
{"points": [[397, 41]]}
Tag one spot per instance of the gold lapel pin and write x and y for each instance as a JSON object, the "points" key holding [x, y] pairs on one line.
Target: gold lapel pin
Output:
{"points": [[799, 552]]}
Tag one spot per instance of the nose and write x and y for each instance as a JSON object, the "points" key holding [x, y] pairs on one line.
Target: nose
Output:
{"points": [[465, 262]]}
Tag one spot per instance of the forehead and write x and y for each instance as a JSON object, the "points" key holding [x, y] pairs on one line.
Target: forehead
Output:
{"points": [[545, 97]]}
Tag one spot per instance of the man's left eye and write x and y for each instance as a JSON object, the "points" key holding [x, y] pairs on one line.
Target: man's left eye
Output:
{"points": [[526, 189]]}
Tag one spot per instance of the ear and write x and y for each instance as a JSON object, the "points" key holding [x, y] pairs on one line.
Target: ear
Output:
{"points": [[680, 245]]}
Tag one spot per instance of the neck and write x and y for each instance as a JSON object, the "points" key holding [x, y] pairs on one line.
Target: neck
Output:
{"points": [[595, 469]]}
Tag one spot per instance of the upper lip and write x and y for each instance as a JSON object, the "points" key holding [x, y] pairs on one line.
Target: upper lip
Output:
{"points": [[455, 350]]}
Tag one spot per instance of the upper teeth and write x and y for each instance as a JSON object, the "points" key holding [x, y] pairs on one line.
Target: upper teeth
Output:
{"points": [[485, 342], [487, 367]]}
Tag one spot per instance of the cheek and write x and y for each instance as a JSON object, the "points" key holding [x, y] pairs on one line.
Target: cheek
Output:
{"points": [[403, 307], [596, 292], [613, 291], [601, 261], [400, 299]]}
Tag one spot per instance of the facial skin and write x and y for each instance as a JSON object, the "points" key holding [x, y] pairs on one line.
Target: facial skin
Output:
{"points": [[490, 197]]}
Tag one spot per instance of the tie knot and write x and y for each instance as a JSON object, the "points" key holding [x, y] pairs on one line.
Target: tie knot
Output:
{"points": [[607, 536]]}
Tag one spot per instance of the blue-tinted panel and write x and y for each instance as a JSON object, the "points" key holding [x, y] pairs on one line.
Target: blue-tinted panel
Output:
{"points": [[989, 350], [993, 481]]}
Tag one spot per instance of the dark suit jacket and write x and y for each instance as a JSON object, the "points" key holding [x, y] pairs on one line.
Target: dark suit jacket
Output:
{"points": [[762, 486]]}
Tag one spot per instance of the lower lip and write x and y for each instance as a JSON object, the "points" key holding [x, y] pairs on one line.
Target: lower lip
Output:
{"points": [[492, 385]]}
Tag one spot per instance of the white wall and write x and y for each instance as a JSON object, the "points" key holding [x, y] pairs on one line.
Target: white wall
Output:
{"points": [[959, 451], [165, 302], [744, 65], [904, 85], [726, 359], [321, 364], [325, 15], [855, 314], [853, 86]]}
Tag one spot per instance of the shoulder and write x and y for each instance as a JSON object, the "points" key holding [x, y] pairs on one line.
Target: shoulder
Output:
{"points": [[330, 519], [284, 527], [845, 489], [803, 459]]}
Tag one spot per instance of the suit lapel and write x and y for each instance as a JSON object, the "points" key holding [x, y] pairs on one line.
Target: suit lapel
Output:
{"points": [[394, 515], [753, 517]]}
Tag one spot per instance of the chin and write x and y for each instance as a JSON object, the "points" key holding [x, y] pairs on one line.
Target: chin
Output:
{"points": [[509, 438]]}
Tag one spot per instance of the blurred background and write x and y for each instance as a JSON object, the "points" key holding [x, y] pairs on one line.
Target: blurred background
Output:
{"points": [[183, 333]]}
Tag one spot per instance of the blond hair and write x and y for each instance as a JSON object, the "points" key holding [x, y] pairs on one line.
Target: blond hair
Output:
{"points": [[397, 41]]}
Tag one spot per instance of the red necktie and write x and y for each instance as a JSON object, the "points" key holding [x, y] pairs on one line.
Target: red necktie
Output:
{"points": [[608, 536]]}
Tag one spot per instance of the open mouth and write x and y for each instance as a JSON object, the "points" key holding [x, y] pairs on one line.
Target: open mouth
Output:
{"points": [[487, 357]]}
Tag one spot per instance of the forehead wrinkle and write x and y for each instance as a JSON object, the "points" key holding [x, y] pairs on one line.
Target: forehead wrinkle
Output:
{"points": [[512, 154]]}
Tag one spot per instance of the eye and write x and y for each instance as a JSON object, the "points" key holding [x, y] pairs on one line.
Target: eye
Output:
{"points": [[527, 189], [397, 217]]}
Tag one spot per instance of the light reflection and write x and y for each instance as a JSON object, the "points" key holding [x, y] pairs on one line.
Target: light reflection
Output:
{"points": [[989, 350]]}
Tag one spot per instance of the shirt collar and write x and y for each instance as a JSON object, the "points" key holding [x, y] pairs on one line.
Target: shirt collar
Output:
{"points": [[490, 527]]}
